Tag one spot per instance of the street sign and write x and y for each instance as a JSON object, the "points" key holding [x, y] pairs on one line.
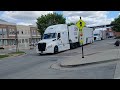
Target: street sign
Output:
{"points": [[81, 34], [81, 41], [80, 24]]}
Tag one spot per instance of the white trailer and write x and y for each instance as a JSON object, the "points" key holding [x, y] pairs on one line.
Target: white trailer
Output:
{"points": [[88, 35], [104, 34], [61, 37], [99, 34]]}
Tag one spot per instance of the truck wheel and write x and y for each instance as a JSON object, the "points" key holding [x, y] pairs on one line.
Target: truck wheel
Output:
{"points": [[40, 54], [76, 45], [71, 46], [55, 49]]}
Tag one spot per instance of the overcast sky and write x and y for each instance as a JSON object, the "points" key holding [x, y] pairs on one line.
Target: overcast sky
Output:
{"points": [[92, 18]]}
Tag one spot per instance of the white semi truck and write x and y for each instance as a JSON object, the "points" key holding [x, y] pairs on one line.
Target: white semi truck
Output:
{"points": [[62, 37], [99, 34]]}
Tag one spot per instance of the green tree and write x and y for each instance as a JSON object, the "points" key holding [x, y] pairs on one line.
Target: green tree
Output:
{"points": [[70, 24], [116, 24], [47, 20]]}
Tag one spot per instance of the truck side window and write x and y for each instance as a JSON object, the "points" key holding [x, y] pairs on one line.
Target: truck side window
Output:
{"points": [[58, 35]]}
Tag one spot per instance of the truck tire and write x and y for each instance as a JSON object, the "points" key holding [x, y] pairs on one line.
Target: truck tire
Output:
{"points": [[55, 49], [76, 45], [72, 46]]}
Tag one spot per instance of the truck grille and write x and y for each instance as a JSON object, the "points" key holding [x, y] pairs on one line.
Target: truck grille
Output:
{"points": [[41, 46]]}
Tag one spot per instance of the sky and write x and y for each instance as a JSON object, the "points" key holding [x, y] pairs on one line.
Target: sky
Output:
{"points": [[92, 18]]}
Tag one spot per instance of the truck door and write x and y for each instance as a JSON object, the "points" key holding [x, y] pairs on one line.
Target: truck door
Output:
{"points": [[59, 41]]}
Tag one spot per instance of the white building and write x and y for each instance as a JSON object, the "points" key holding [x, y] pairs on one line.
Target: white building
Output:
{"points": [[25, 37]]}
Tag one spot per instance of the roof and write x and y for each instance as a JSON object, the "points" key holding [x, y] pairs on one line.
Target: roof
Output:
{"points": [[6, 23], [56, 28]]}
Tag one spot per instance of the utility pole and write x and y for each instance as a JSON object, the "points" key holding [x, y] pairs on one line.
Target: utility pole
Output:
{"points": [[16, 40]]}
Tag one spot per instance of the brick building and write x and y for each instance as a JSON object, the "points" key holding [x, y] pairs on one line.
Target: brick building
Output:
{"points": [[7, 34], [26, 35]]}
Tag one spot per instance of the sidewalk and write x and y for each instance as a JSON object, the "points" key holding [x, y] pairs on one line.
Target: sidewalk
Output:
{"points": [[105, 56], [6, 51]]}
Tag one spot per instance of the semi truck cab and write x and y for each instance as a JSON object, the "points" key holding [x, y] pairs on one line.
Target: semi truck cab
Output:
{"points": [[55, 39]]}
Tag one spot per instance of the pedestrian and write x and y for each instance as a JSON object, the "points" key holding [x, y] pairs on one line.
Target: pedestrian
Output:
{"points": [[117, 43]]}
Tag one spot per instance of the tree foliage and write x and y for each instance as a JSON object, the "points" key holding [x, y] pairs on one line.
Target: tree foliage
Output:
{"points": [[116, 24], [47, 20]]}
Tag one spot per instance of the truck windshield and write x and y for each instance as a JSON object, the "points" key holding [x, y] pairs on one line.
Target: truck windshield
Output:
{"points": [[49, 36]]}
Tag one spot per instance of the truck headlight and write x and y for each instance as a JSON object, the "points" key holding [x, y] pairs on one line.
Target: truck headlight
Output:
{"points": [[49, 46]]}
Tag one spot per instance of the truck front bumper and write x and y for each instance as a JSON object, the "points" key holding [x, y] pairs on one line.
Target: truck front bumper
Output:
{"points": [[50, 50]]}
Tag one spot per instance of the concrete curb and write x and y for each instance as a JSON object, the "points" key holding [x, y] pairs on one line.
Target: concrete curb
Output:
{"points": [[90, 63]]}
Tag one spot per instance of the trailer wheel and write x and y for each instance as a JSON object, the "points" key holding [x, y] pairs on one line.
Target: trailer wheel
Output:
{"points": [[55, 49]]}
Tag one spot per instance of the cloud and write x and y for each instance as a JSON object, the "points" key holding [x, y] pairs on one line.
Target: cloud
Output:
{"points": [[92, 18], [23, 16]]}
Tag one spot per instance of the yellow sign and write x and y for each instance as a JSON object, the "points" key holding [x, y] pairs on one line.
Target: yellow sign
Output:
{"points": [[81, 41], [80, 24]]}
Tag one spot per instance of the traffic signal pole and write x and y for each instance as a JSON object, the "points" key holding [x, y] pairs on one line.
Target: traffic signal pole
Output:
{"points": [[81, 42], [80, 24], [82, 39], [82, 52]]}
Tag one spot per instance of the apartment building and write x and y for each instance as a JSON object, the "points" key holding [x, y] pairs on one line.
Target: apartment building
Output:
{"points": [[35, 35], [10, 32], [23, 36], [27, 35], [7, 34]]}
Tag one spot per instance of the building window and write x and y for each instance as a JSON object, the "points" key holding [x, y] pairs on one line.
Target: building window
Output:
{"points": [[0, 42], [5, 32], [26, 40], [4, 42], [22, 32], [0, 32], [19, 41], [11, 42], [22, 40], [17, 32], [11, 31]]}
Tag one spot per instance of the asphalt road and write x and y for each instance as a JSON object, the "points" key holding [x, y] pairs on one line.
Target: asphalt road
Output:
{"points": [[33, 66]]}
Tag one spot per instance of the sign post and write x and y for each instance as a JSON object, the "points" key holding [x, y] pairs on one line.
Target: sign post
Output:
{"points": [[80, 24]]}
